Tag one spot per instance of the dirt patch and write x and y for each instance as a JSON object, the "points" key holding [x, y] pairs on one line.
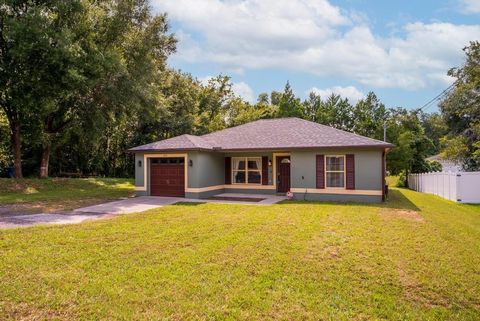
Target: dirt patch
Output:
{"points": [[415, 291], [24, 311], [403, 214]]}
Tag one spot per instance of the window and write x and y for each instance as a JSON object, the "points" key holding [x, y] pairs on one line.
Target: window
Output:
{"points": [[168, 161], [247, 170], [335, 171]]}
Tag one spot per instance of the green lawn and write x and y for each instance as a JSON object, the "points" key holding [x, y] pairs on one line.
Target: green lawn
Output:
{"points": [[415, 257], [57, 194]]}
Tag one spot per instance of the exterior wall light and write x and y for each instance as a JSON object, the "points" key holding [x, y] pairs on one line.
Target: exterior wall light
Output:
{"points": [[190, 162], [269, 162], [139, 163]]}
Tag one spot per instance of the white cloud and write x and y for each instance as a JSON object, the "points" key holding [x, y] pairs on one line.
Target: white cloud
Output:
{"points": [[350, 92], [315, 37], [470, 6], [243, 90]]}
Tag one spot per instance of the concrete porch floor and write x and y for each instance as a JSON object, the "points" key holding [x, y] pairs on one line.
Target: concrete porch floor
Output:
{"points": [[266, 199]]}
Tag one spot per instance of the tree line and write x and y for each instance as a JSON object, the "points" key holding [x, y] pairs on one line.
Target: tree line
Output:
{"points": [[82, 81]]}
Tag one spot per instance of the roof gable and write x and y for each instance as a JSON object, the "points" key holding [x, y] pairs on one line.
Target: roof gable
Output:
{"points": [[182, 142]]}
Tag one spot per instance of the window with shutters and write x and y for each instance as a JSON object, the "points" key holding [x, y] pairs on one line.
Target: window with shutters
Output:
{"points": [[247, 170], [335, 171]]}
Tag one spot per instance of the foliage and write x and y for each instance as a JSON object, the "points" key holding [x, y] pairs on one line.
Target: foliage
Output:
{"points": [[248, 262], [405, 130], [90, 63], [289, 105], [454, 148], [461, 109], [434, 166], [368, 117], [213, 105], [401, 179], [427, 167], [5, 154], [435, 129]]}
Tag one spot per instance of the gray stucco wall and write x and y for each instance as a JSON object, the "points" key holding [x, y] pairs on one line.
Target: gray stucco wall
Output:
{"points": [[368, 168], [338, 198], [208, 169], [139, 169]]}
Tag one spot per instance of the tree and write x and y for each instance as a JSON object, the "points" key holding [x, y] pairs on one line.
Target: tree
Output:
{"points": [[213, 105], [405, 131], [95, 61], [435, 128], [5, 158], [263, 99], [241, 112], [434, 166], [455, 148], [369, 115], [289, 105], [311, 106], [336, 112], [461, 108], [275, 97], [25, 29]]}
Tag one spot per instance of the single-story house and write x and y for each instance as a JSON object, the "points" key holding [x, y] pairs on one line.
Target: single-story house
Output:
{"points": [[268, 156], [447, 165]]}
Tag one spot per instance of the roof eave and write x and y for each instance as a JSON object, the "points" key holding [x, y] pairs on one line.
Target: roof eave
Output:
{"points": [[277, 148], [283, 148], [133, 151]]}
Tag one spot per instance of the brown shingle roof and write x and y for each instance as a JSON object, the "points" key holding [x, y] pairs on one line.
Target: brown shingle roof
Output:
{"points": [[182, 142], [267, 134]]}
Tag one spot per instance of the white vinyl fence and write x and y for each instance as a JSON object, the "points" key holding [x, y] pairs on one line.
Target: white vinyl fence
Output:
{"points": [[462, 187]]}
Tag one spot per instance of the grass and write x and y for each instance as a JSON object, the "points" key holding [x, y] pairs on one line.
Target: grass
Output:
{"points": [[58, 194], [392, 181], [413, 258]]}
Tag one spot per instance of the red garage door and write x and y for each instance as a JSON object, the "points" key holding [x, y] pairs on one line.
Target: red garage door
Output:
{"points": [[167, 177]]}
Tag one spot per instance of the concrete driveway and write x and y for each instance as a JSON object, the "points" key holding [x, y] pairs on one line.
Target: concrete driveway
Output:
{"points": [[130, 205], [124, 206]]}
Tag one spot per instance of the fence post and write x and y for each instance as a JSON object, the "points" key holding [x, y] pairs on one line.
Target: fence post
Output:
{"points": [[458, 196]]}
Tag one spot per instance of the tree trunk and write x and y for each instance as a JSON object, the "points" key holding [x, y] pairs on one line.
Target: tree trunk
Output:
{"points": [[406, 178], [16, 149], [46, 148]]}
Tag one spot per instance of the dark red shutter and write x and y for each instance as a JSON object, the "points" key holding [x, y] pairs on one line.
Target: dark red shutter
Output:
{"points": [[320, 171], [264, 170], [350, 166], [228, 170]]}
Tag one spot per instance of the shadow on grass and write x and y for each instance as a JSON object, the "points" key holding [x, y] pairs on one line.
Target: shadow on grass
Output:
{"points": [[475, 207], [189, 203], [396, 200]]}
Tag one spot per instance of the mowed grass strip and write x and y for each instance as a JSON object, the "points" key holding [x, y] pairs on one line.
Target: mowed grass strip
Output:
{"points": [[415, 257], [57, 194]]}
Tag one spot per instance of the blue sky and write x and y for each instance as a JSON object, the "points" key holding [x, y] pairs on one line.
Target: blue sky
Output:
{"points": [[401, 50]]}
